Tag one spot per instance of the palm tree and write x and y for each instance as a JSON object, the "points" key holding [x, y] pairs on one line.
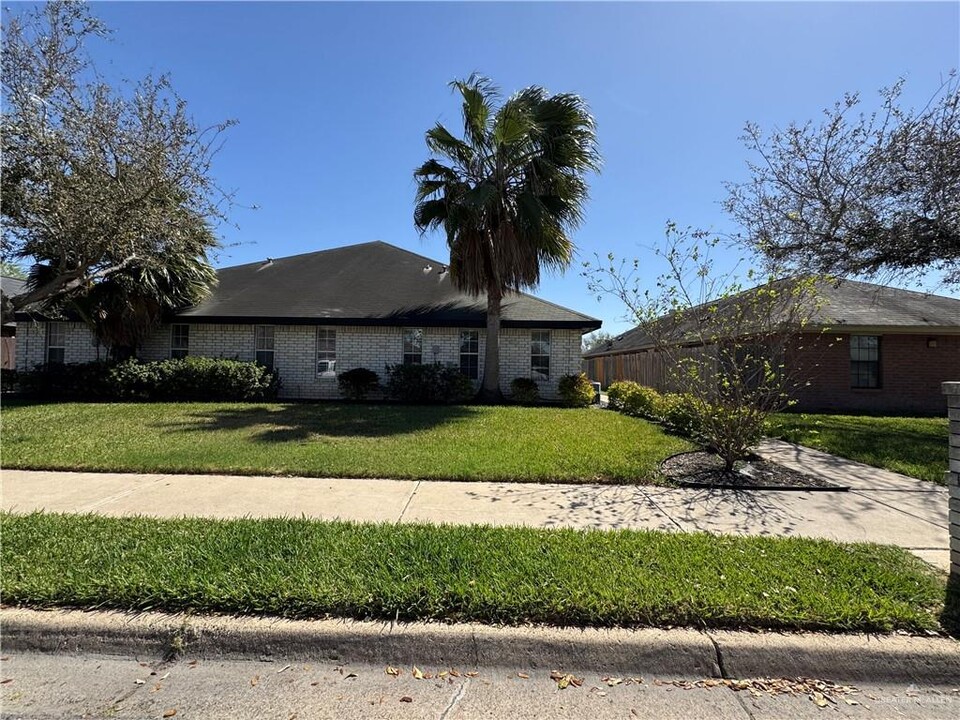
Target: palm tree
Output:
{"points": [[507, 195]]}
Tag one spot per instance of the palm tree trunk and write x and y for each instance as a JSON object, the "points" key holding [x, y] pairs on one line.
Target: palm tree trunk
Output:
{"points": [[490, 387]]}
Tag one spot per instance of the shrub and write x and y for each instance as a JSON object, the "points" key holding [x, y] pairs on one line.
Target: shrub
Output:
{"points": [[576, 390], [192, 378], [524, 391], [356, 383], [679, 412], [76, 381], [618, 392], [643, 402], [428, 384]]}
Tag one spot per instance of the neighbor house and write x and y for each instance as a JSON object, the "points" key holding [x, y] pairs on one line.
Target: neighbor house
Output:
{"points": [[312, 316], [870, 348]]}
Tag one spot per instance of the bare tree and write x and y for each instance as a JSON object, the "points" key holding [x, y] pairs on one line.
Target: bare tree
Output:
{"points": [[867, 194], [96, 180], [732, 352]]}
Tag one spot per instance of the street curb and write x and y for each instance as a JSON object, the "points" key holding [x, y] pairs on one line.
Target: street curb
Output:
{"points": [[648, 651]]}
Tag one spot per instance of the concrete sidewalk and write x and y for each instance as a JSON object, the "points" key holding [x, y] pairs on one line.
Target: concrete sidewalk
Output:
{"points": [[881, 507]]}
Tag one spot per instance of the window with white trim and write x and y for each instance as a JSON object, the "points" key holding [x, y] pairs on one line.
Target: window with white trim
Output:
{"points": [[56, 342], [470, 353], [412, 346], [864, 361], [264, 345], [540, 354], [179, 341], [326, 351]]}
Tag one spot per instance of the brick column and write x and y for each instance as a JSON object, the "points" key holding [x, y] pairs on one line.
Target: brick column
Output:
{"points": [[952, 391]]}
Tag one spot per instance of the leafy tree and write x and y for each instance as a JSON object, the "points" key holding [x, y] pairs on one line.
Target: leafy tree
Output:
{"points": [[858, 194], [507, 195], [98, 183], [732, 353], [595, 340]]}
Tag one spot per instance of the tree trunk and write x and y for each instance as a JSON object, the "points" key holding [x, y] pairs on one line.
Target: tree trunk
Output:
{"points": [[490, 386]]}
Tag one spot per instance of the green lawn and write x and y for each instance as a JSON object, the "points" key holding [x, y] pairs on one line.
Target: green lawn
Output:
{"points": [[913, 446], [338, 440], [309, 569]]}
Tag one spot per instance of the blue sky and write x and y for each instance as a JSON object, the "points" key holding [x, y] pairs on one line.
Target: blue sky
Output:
{"points": [[333, 99]]}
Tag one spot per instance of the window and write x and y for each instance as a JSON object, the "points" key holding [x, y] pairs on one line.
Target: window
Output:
{"points": [[264, 345], [56, 342], [470, 353], [412, 346], [864, 361], [326, 351], [540, 354], [179, 341]]}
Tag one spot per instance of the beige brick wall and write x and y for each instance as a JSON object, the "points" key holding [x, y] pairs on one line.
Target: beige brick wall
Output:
{"points": [[295, 351]]}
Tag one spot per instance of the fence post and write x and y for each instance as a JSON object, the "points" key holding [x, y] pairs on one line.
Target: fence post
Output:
{"points": [[952, 391]]}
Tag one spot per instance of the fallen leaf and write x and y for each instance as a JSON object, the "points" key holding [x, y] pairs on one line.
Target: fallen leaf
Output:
{"points": [[818, 698], [156, 688], [472, 673], [170, 713], [417, 673], [443, 673], [612, 681], [165, 676], [285, 667], [138, 681], [395, 672], [455, 673], [349, 675], [523, 675], [406, 698], [254, 680], [193, 663]]}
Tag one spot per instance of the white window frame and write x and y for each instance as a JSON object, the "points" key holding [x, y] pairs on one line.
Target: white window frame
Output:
{"points": [[476, 354], [539, 336], [264, 343], [56, 331], [326, 358], [417, 335], [176, 348]]}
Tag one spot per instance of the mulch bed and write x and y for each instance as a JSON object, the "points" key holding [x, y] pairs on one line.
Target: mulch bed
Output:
{"points": [[705, 470]]}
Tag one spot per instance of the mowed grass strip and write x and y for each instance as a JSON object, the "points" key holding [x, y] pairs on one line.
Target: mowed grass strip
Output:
{"points": [[310, 569], [913, 446], [338, 440]]}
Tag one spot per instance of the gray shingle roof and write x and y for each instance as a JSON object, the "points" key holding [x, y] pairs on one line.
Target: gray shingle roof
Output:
{"points": [[849, 304], [368, 284]]}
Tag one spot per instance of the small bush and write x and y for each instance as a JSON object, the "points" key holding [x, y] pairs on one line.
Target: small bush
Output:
{"points": [[428, 384], [576, 390], [679, 413], [355, 384], [644, 402], [524, 391], [618, 392]]}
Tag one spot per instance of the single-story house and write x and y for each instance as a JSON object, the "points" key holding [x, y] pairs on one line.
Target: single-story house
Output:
{"points": [[313, 316], [869, 348]]}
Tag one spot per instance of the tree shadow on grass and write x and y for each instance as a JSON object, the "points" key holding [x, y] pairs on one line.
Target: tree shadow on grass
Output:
{"points": [[302, 422], [950, 617]]}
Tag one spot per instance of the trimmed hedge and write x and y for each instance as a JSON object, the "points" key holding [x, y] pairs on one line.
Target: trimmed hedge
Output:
{"points": [[524, 391], [357, 383], [190, 378], [576, 390], [675, 411], [432, 384]]}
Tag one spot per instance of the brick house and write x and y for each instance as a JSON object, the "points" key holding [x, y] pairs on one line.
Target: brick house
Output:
{"points": [[313, 316], [881, 350]]}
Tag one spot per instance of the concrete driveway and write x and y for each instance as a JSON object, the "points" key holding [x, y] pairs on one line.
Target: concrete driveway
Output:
{"points": [[881, 506]]}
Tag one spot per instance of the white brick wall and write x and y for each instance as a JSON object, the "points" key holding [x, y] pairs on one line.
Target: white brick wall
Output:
{"points": [[295, 351], [80, 344]]}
